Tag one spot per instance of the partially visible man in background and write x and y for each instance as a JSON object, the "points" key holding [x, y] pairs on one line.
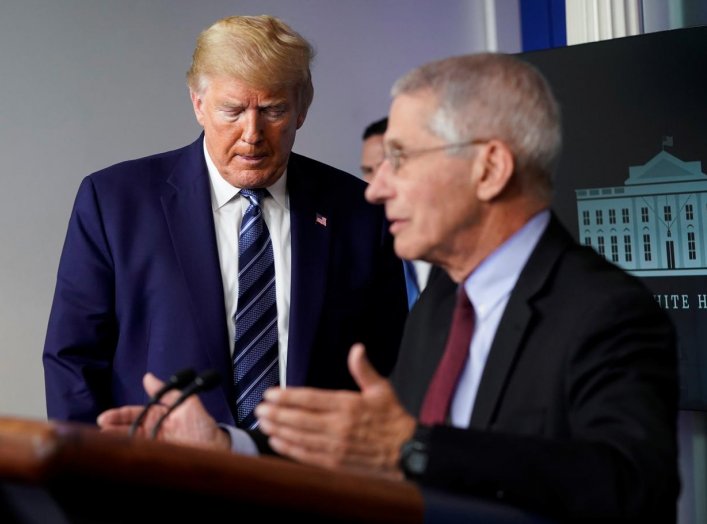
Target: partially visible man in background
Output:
{"points": [[372, 152], [372, 155], [232, 253]]}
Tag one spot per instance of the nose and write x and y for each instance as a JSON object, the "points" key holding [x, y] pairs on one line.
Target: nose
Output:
{"points": [[380, 189], [252, 127]]}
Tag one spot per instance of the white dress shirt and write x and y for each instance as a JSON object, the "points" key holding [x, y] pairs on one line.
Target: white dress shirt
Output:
{"points": [[422, 271]]}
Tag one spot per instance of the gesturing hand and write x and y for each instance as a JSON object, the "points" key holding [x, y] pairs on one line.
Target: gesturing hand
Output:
{"points": [[339, 429]]}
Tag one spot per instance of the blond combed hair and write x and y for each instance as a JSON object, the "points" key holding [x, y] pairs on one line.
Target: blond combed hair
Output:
{"points": [[260, 51]]}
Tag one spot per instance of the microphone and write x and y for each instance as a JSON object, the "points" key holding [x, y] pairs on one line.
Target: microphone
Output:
{"points": [[203, 382], [177, 381]]}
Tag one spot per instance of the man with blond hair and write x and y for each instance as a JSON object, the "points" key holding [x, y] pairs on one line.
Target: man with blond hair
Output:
{"points": [[232, 253]]}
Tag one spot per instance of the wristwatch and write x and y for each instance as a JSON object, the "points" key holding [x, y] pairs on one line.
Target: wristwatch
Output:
{"points": [[413, 454]]}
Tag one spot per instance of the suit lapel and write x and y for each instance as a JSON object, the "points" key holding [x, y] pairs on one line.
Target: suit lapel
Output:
{"points": [[186, 201], [515, 321], [311, 226]]}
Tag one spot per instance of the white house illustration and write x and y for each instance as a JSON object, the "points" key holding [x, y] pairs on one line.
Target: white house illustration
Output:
{"points": [[656, 224]]}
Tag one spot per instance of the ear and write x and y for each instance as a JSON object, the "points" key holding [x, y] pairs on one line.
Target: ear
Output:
{"points": [[497, 165], [300, 118], [197, 103]]}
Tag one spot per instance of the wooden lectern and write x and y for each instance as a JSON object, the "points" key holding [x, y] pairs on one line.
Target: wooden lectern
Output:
{"points": [[89, 476]]}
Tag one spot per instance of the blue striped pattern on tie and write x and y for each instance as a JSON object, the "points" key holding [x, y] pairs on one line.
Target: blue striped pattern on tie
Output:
{"points": [[255, 357]]}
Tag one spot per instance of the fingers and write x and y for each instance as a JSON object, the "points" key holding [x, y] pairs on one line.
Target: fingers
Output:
{"points": [[324, 455], [311, 399], [333, 447], [325, 428], [118, 419], [313, 418], [308, 410], [329, 412], [338, 445], [189, 423]]}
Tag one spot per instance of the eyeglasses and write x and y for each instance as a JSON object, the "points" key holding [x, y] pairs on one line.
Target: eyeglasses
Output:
{"points": [[396, 157]]}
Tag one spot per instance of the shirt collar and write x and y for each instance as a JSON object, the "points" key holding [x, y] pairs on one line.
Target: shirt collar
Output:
{"points": [[496, 276], [222, 192]]}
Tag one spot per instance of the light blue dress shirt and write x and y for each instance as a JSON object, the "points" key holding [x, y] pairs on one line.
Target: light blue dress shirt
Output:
{"points": [[488, 287]]}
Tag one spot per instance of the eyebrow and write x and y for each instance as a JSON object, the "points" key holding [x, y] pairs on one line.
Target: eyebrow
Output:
{"points": [[393, 144], [275, 102], [229, 105], [267, 105]]}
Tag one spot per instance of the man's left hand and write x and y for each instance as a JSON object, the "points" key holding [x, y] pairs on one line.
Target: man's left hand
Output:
{"points": [[360, 431]]}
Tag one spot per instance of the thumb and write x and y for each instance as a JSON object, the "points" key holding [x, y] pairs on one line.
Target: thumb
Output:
{"points": [[151, 384], [361, 369]]}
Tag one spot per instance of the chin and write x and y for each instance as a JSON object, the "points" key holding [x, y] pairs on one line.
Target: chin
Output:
{"points": [[252, 178], [405, 251]]}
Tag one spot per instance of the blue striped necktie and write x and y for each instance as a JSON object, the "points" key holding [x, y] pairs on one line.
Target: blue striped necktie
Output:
{"points": [[255, 358]]}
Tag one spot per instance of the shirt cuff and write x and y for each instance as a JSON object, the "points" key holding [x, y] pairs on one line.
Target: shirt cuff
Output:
{"points": [[241, 442]]}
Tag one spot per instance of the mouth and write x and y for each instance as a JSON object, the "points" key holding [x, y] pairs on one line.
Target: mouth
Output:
{"points": [[396, 225], [252, 158]]}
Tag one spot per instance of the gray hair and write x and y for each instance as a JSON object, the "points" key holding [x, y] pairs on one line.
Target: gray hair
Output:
{"points": [[494, 96]]}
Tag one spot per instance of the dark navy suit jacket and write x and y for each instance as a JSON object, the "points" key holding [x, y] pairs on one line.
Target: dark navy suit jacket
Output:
{"points": [[139, 286]]}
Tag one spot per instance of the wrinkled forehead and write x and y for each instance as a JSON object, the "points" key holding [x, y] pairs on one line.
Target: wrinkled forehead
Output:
{"points": [[270, 87]]}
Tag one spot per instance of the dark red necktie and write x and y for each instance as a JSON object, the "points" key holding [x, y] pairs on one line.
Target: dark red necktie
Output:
{"points": [[444, 382]]}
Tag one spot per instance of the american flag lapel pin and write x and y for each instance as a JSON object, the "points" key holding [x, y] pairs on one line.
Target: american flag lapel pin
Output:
{"points": [[321, 220]]}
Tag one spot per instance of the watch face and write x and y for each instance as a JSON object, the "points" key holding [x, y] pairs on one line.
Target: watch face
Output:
{"points": [[417, 462], [414, 458]]}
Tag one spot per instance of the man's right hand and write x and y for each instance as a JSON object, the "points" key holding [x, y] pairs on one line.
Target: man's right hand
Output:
{"points": [[189, 424]]}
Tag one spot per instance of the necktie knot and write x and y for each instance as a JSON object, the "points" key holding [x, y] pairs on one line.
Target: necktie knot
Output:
{"points": [[255, 195], [464, 305]]}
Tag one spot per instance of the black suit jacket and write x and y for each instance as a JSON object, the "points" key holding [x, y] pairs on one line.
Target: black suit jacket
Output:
{"points": [[576, 410]]}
